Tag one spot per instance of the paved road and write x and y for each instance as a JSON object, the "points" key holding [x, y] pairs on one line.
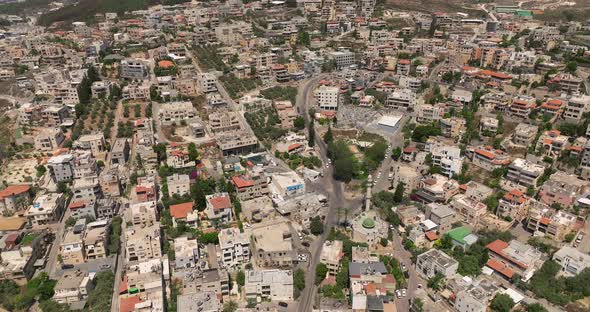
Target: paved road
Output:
{"points": [[336, 199], [404, 257]]}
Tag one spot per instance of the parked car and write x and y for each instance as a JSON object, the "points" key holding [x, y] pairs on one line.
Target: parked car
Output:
{"points": [[283, 304]]}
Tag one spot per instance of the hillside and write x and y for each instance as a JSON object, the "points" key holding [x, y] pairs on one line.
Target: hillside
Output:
{"points": [[430, 6], [85, 10]]}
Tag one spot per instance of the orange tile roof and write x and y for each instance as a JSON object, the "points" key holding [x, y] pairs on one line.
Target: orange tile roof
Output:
{"points": [[165, 64], [180, 211], [500, 268], [77, 205], [485, 153], [242, 181], [404, 62], [431, 235], [12, 190], [220, 202], [294, 146], [128, 304]]}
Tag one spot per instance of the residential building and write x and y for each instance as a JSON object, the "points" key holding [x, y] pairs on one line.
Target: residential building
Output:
{"points": [[250, 186], [327, 97], [489, 125], [71, 248], [176, 112], [49, 139], [513, 206], [286, 184], [343, 58], [120, 151], [562, 189], [272, 244], [206, 301], [224, 121], [408, 175], [61, 168], [524, 172], [551, 223], [434, 261], [95, 240], [571, 260], [73, 286], [86, 189], [186, 253], [469, 209], [143, 242], [82, 208], [512, 258], [522, 106], [45, 209], [402, 99], [219, 207], [237, 143], [552, 143], [274, 285], [447, 157], [14, 198], [524, 134], [93, 142], [106, 208], [178, 159], [436, 188], [141, 214], [178, 184], [207, 83], [133, 69], [443, 215], [576, 107], [331, 256], [235, 247], [429, 113], [489, 158], [452, 127]]}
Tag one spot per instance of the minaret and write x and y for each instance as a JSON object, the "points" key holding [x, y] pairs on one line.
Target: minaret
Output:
{"points": [[368, 196]]}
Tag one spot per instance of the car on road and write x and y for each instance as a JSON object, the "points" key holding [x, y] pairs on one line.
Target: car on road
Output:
{"points": [[398, 293], [419, 285], [105, 266], [305, 244], [283, 304], [404, 268], [403, 292], [67, 266]]}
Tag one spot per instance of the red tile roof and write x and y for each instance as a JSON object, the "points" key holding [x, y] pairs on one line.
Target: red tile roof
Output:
{"points": [[165, 64], [431, 235], [12, 190], [500, 268], [220, 202], [404, 62], [242, 181], [77, 205], [180, 211], [128, 304], [294, 146]]}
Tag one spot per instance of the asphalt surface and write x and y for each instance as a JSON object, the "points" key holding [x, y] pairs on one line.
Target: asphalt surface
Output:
{"points": [[335, 200]]}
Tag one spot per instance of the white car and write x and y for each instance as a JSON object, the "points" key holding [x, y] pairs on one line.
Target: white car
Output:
{"points": [[403, 292], [398, 293]]}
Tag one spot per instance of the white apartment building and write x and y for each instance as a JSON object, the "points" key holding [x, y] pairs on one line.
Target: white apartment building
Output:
{"points": [[143, 243], [272, 285], [178, 184], [571, 260], [207, 83], [49, 139], [175, 112], [186, 253], [61, 167], [133, 69], [524, 172], [343, 58], [576, 107], [235, 247], [45, 209], [447, 157], [402, 99], [327, 97], [435, 261]]}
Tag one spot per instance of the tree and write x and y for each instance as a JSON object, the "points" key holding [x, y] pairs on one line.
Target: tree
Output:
{"points": [[241, 278], [328, 136], [437, 281], [311, 136], [70, 222], [316, 227], [384, 242], [303, 38], [571, 67], [40, 170], [570, 237], [343, 169], [193, 153], [396, 153], [398, 196], [535, 307], [299, 279], [62, 187], [230, 306], [299, 123], [502, 303], [320, 273]]}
